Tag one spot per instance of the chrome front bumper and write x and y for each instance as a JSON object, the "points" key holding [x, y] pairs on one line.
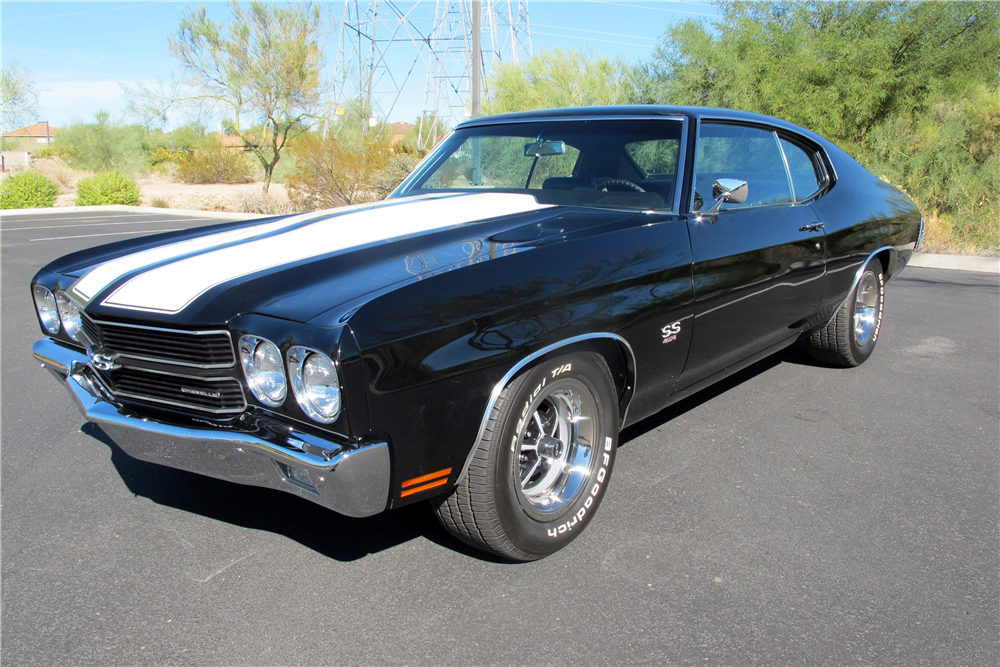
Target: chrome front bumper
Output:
{"points": [[350, 481]]}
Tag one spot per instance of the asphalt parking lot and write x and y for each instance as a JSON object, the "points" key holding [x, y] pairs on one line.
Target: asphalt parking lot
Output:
{"points": [[792, 514]]}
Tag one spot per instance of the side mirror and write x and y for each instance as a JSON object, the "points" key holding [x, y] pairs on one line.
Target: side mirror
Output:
{"points": [[725, 191]]}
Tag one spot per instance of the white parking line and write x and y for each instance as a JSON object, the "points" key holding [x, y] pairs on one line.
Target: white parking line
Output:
{"points": [[99, 224], [120, 216], [87, 236]]}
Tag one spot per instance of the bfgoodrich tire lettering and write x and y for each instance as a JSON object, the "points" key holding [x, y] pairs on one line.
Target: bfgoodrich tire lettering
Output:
{"points": [[543, 465], [850, 337]]}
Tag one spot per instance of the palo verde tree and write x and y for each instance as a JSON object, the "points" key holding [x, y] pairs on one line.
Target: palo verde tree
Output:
{"points": [[559, 78], [261, 68], [18, 97]]}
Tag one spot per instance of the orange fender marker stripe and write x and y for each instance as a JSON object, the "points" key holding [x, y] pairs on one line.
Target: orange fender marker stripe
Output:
{"points": [[425, 478], [418, 489]]}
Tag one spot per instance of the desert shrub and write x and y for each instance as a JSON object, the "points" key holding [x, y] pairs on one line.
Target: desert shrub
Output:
{"points": [[104, 145], [215, 164], [266, 204], [335, 173], [388, 179], [947, 159], [28, 189], [106, 189], [56, 170], [159, 202]]}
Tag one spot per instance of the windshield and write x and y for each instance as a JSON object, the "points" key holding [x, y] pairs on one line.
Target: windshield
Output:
{"points": [[628, 164]]}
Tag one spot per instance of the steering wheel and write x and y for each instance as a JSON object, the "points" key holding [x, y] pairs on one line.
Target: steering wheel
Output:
{"points": [[616, 185]]}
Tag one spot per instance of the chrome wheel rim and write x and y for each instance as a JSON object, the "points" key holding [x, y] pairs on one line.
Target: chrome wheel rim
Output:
{"points": [[555, 448], [866, 300]]}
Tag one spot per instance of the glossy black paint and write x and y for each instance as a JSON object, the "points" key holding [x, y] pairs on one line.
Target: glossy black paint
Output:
{"points": [[423, 328]]}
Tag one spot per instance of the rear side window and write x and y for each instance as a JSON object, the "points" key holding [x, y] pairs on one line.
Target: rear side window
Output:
{"points": [[806, 170], [657, 158], [743, 153]]}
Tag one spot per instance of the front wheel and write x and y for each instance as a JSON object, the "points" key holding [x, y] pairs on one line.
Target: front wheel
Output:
{"points": [[850, 337], [542, 467]]}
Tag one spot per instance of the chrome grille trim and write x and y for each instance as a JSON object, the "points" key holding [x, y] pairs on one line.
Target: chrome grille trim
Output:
{"points": [[164, 392], [194, 349]]}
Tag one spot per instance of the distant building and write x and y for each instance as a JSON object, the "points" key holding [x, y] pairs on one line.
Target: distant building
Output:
{"points": [[32, 138], [398, 130], [237, 143]]}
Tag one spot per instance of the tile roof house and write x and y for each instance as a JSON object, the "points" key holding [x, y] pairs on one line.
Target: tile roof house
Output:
{"points": [[237, 142], [31, 138]]}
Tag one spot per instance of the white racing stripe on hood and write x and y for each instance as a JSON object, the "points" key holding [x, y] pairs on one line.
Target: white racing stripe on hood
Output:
{"points": [[104, 274], [172, 287]]}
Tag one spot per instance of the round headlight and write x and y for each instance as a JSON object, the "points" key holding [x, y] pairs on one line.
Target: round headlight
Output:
{"points": [[263, 369], [315, 383], [69, 313], [45, 303]]}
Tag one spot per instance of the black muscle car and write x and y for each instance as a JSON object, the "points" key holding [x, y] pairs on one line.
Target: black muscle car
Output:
{"points": [[478, 340]]}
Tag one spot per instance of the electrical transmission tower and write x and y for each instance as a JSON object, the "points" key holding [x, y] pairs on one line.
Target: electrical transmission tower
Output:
{"points": [[434, 41]]}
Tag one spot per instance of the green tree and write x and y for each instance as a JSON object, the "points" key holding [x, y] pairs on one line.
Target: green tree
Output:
{"points": [[261, 67], [559, 78], [18, 97], [838, 68]]}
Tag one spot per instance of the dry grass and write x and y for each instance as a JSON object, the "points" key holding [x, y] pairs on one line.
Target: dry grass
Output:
{"points": [[939, 239], [57, 170], [266, 204]]}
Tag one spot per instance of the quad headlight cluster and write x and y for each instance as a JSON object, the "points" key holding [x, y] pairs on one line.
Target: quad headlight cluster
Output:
{"points": [[313, 377], [57, 310]]}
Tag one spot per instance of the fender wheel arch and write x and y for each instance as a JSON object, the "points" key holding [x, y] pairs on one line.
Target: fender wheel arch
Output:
{"points": [[542, 467], [614, 350]]}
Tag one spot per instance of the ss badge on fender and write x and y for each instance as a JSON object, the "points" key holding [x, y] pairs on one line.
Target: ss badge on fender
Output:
{"points": [[670, 331]]}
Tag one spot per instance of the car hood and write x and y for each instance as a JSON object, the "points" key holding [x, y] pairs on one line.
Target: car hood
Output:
{"points": [[302, 266]]}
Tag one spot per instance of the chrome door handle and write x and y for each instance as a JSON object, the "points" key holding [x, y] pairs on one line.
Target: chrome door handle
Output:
{"points": [[815, 227]]}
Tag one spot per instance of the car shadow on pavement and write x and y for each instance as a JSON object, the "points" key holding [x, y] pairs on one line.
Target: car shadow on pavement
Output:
{"points": [[793, 354], [324, 531]]}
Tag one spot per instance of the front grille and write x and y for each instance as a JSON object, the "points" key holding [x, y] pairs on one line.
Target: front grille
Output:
{"points": [[179, 353], [90, 332], [216, 395], [202, 349]]}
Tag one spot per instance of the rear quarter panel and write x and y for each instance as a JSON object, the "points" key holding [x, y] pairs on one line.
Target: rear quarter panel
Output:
{"points": [[862, 214]]}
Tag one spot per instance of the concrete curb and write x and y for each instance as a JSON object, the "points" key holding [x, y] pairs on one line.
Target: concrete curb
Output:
{"points": [[218, 215], [956, 262]]}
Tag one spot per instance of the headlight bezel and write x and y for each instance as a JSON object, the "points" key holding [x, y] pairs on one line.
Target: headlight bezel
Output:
{"points": [[298, 358], [47, 309], [70, 315], [253, 373]]}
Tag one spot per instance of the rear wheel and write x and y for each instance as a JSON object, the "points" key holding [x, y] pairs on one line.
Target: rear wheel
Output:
{"points": [[850, 337], [542, 467]]}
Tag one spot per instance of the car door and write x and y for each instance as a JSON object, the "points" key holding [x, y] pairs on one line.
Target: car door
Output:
{"points": [[757, 265]]}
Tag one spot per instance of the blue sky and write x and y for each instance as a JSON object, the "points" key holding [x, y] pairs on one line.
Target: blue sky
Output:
{"points": [[79, 52]]}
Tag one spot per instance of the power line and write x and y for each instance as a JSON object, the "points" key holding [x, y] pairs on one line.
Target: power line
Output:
{"points": [[592, 39], [658, 9], [596, 32]]}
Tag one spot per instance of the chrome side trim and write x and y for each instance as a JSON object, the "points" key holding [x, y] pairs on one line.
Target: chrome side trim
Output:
{"points": [[502, 383], [857, 279], [350, 481]]}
